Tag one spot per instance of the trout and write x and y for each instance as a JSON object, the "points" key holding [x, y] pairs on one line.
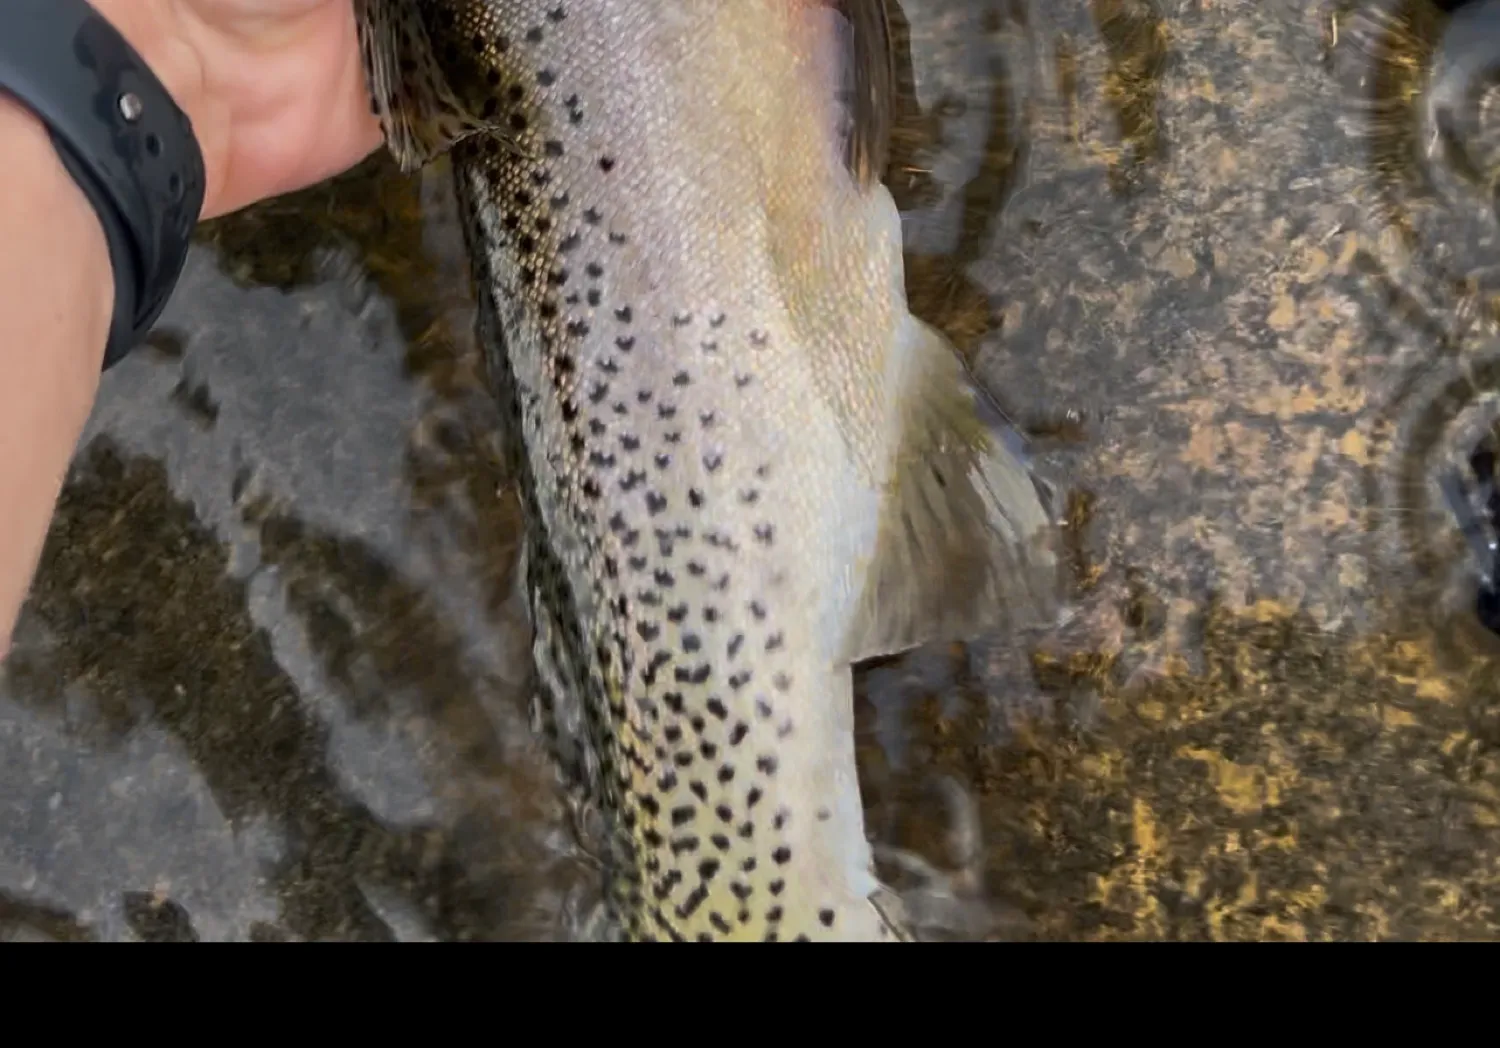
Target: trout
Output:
{"points": [[744, 464]]}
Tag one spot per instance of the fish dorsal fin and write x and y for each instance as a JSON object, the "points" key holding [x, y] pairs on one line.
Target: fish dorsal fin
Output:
{"points": [[966, 545], [420, 113], [869, 86]]}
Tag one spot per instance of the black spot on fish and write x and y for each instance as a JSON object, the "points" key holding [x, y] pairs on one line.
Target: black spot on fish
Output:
{"points": [[696, 898], [696, 675]]}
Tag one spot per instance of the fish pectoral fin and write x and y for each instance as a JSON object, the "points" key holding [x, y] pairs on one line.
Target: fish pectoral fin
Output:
{"points": [[868, 86], [965, 544], [420, 114]]}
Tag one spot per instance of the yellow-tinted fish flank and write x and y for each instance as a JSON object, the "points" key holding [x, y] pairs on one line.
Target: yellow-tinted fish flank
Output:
{"points": [[744, 463]]}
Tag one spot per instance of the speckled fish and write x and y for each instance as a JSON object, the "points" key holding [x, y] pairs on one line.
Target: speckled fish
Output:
{"points": [[744, 463]]}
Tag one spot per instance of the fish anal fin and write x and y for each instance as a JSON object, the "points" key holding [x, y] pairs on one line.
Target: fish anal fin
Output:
{"points": [[965, 544]]}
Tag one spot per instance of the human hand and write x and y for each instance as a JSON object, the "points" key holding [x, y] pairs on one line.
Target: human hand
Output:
{"points": [[275, 89]]}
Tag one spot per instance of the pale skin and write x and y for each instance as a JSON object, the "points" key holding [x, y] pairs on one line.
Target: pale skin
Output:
{"points": [[276, 95]]}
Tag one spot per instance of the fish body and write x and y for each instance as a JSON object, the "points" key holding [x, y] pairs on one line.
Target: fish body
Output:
{"points": [[744, 463]]}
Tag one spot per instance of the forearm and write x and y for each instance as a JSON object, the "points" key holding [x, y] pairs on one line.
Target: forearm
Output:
{"points": [[56, 300]]}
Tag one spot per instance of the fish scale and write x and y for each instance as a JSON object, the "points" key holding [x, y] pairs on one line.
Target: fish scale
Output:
{"points": [[737, 451]]}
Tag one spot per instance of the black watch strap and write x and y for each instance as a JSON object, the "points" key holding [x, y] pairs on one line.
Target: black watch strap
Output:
{"points": [[121, 136]]}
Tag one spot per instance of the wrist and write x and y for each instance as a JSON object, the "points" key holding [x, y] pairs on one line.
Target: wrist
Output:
{"points": [[41, 193], [56, 304]]}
